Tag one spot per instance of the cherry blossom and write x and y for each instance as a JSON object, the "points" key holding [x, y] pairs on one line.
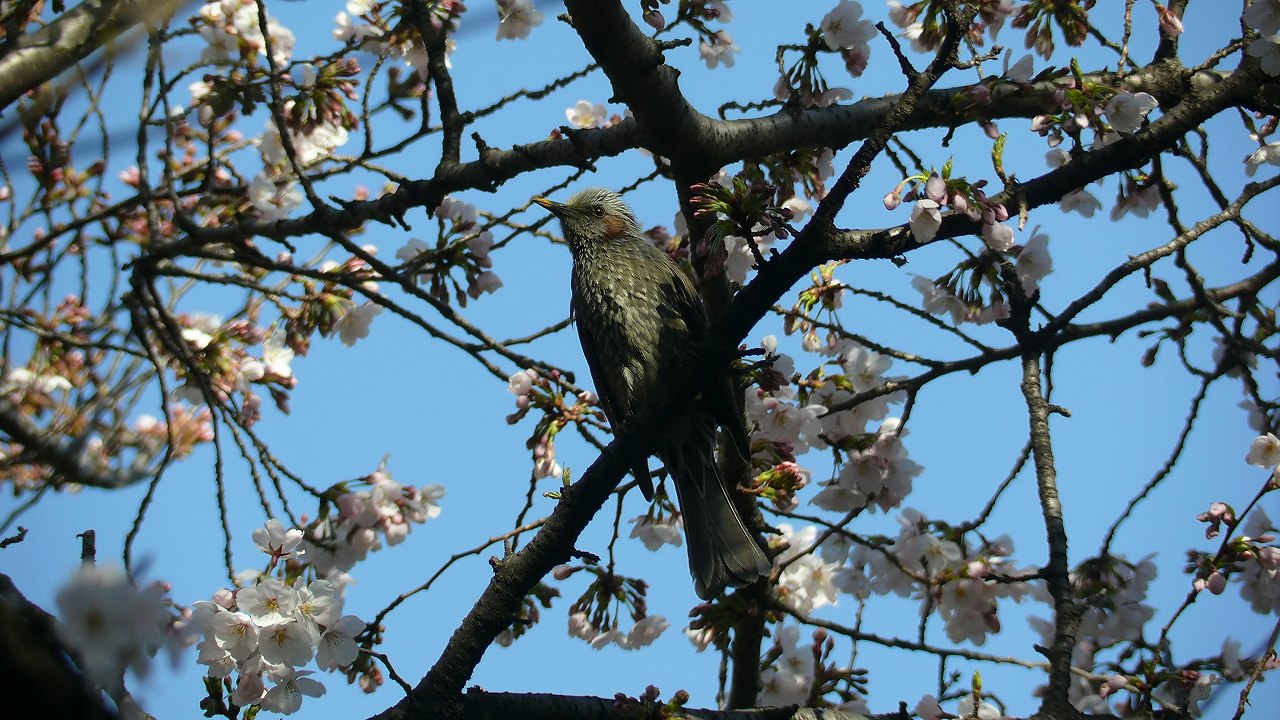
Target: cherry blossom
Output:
{"points": [[1139, 201], [516, 18], [1021, 71], [310, 147], [229, 22], [777, 419], [22, 379], [286, 696], [112, 624], [740, 259], [1170, 24], [1187, 691], [843, 28], [276, 358], [270, 601], [928, 708], [355, 324], [1268, 154], [1264, 451], [1263, 16], [1126, 111], [273, 201], [719, 51], [937, 299], [984, 711], [585, 114], [319, 604], [275, 541], [998, 236], [788, 680], [656, 532], [1033, 262], [337, 646], [236, 633], [644, 632], [806, 583], [1267, 50], [1081, 201], [925, 220], [521, 382]]}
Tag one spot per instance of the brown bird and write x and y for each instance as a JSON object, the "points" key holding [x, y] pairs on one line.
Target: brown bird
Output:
{"points": [[640, 321]]}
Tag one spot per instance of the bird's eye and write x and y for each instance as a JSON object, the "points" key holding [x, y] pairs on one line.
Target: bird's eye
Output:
{"points": [[598, 211]]}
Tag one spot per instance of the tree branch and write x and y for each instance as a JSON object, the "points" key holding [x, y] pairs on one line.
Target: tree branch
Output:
{"points": [[38, 57]]}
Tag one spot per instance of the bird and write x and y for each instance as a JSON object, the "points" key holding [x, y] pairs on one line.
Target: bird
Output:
{"points": [[640, 321]]}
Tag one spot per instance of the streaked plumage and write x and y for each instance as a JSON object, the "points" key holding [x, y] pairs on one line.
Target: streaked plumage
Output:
{"points": [[640, 321]]}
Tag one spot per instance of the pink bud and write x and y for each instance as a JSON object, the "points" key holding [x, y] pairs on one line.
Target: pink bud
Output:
{"points": [[654, 19], [935, 188], [892, 200], [1216, 583], [1170, 24]]}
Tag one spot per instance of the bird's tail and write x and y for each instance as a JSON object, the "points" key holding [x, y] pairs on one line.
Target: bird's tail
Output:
{"points": [[721, 549]]}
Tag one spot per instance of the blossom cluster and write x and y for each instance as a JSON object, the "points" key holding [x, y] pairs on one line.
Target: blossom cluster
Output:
{"points": [[789, 415], [921, 22], [842, 31], [113, 625], [61, 366], [547, 393], [596, 616], [385, 511], [256, 639], [960, 291], [796, 674], [317, 117], [373, 27], [270, 628], [928, 561], [217, 361], [1251, 558], [960, 581], [462, 244], [642, 633]]}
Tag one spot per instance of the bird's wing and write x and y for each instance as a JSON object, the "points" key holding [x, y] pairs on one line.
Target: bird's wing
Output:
{"points": [[604, 380], [613, 400], [720, 395]]}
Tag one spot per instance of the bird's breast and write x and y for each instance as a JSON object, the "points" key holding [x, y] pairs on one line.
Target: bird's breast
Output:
{"points": [[622, 312]]}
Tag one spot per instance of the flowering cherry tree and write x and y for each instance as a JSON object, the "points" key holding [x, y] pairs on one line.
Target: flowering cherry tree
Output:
{"points": [[895, 220]]}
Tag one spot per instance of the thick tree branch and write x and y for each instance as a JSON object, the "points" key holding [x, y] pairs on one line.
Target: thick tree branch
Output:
{"points": [[38, 57], [439, 694]]}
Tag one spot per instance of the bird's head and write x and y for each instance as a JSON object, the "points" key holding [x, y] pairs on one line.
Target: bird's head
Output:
{"points": [[593, 216]]}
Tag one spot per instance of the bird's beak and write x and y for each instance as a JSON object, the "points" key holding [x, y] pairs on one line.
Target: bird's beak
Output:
{"points": [[552, 206]]}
